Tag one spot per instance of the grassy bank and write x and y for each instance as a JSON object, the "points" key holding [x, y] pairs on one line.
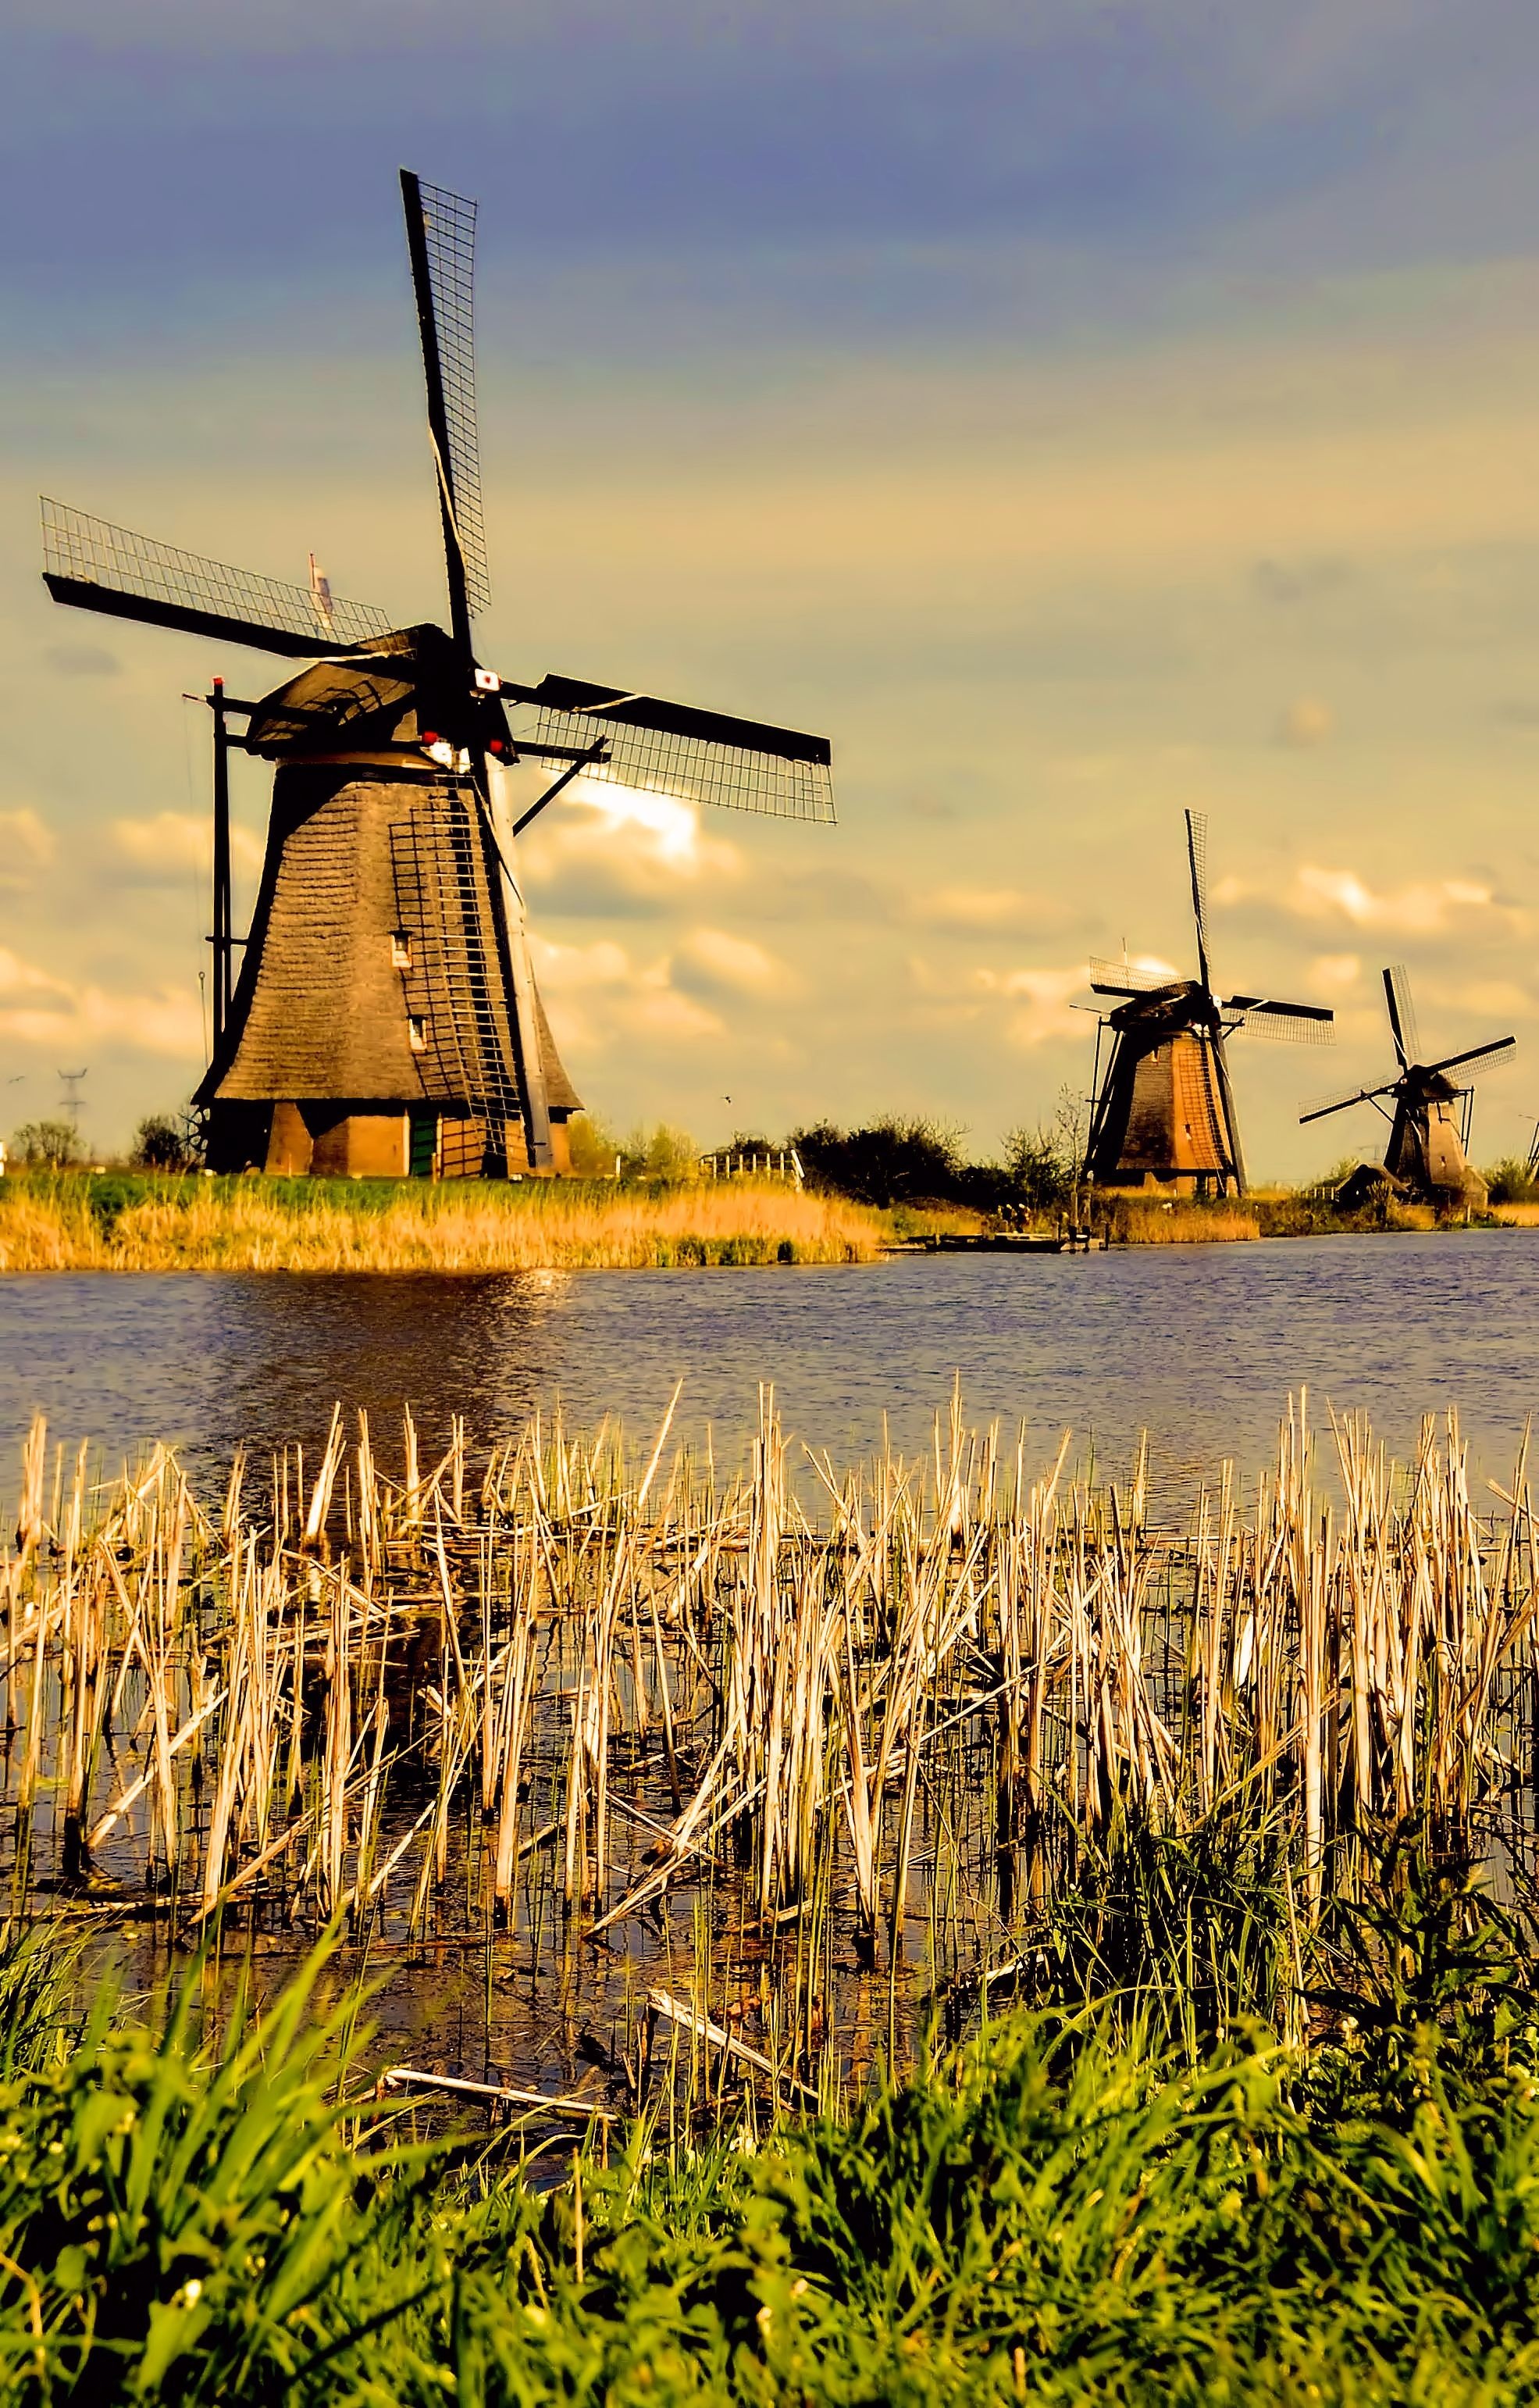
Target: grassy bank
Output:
{"points": [[126, 1222], [1070, 2208]]}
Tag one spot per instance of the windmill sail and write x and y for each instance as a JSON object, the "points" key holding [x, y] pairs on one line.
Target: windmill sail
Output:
{"points": [[441, 242], [387, 1018], [1402, 1027], [1126, 978], [1430, 1125], [1164, 1110], [1296, 1024], [1488, 1058], [704, 756], [98, 566], [1197, 862]]}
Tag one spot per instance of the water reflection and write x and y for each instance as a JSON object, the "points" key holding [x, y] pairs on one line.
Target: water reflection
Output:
{"points": [[1199, 1344]]}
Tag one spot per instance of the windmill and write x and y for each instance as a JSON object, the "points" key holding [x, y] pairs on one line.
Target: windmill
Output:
{"points": [[1164, 1106], [386, 1019], [1428, 1111]]}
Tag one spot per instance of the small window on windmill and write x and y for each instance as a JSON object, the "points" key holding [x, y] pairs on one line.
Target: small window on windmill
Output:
{"points": [[400, 949], [416, 1034]]}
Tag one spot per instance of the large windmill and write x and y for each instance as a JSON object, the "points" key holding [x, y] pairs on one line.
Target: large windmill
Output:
{"points": [[1164, 1106], [1428, 1111], [386, 1018]]}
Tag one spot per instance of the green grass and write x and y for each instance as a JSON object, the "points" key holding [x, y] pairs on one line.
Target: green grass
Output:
{"points": [[1086, 2202]]}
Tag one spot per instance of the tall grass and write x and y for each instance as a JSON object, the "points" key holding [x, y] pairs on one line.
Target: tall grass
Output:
{"points": [[1141, 1220], [710, 1758], [937, 1934], [114, 1223], [200, 2213]]}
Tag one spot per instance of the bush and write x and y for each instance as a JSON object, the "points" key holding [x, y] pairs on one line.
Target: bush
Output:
{"points": [[160, 1143], [666, 1155], [893, 1162], [57, 1143], [1511, 1182], [889, 1162], [592, 1147]]}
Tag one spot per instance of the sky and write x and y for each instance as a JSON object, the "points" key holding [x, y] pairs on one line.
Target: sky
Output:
{"points": [[1079, 410]]}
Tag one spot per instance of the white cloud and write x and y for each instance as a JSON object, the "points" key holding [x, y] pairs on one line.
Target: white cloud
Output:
{"points": [[174, 842], [1033, 1006], [1491, 999], [18, 977], [970, 908], [599, 996], [619, 851], [1306, 725], [1339, 971], [38, 1009], [25, 836], [1320, 894], [1040, 1005], [712, 959]]}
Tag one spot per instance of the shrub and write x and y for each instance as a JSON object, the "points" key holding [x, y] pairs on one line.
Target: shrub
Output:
{"points": [[1511, 1182], [663, 1154], [889, 1162], [160, 1143], [592, 1147], [54, 1142]]}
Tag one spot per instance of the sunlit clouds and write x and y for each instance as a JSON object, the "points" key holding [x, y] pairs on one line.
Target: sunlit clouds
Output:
{"points": [[174, 844], [1418, 909], [40, 1010], [1072, 449]]}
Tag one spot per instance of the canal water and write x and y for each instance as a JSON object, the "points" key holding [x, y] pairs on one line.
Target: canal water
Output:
{"points": [[1199, 1345]]}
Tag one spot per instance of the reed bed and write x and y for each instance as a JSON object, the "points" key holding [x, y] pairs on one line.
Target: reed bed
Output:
{"points": [[246, 1224], [1136, 1218], [717, 1786]]}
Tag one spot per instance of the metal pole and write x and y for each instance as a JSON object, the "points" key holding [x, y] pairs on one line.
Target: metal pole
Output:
{"points": [[531, 1055], [221, 864]]}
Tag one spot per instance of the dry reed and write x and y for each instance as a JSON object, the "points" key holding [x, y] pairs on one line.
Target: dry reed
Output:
{"points": [[566, 1695], [76, 1223], [1138, 1219]]}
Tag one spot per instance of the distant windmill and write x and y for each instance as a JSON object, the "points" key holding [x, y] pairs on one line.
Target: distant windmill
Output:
{"points": [[387, 1018], [1429, 1120], [1164, 1107]]}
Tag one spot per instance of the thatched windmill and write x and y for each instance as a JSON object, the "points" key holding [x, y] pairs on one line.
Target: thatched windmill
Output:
{"points": [[386, 1018], [1164, 1107], [1428, 1111]]}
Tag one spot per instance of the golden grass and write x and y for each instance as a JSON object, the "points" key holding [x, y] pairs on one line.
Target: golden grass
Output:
{"points": [[1516, 1216], [1139, 1219], [80, 1223]]}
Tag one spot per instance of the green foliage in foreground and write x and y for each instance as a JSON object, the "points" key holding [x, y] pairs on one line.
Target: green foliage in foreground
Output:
{"points": [[1058, 2212]]}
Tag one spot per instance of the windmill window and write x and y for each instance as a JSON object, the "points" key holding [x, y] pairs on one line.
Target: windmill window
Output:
{"points": [[400, 948], [417, 1034]]}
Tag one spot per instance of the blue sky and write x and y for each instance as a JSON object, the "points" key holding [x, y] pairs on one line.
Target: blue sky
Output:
{"points": [[1078, 411]]}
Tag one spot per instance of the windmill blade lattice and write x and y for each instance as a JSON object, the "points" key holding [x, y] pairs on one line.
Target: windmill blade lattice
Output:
{"points": [[1403, 1021], [701, 756], [1319, 1108], [1197, 859], [449, 241], [1126, 978], [99, 567], [1286, 1024], [1479, 1060]]}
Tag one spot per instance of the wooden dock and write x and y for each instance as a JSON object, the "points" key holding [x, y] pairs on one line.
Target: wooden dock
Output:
{"points": [[1000, 1242]]}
